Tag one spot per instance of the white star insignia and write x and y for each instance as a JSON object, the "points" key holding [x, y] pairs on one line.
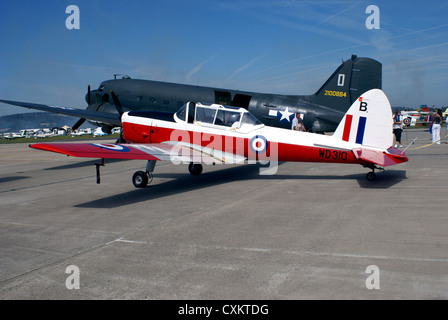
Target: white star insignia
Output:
{"points": [[286, 114]]}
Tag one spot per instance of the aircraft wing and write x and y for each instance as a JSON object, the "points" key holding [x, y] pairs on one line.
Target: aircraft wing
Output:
{"points": [[106, 117], [391, 157], [177, 152]]}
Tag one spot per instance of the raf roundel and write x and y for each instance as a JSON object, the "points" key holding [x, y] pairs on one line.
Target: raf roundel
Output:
{"points": [[258, 144], [113, 147]]}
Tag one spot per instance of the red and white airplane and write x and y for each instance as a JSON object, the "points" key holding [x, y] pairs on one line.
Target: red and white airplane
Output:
{"points": [[216, 134]]}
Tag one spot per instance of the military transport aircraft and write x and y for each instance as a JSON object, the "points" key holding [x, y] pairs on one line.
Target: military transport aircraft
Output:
{"points": [[322, 111], [217, 134]]}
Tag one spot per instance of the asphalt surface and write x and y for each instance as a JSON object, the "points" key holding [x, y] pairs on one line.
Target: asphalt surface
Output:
{"points": [[312, 231]]}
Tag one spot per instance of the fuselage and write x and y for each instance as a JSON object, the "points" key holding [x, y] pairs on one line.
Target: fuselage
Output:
{"points": [[321, 111], [252, 140], [144, 95]]}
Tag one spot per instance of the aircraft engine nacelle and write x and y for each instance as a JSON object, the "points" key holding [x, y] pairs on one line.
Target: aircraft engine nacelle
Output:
{"points": [[107, 129], [134, 130]]}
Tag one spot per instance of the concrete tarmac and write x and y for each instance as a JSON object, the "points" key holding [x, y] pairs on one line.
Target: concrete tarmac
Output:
{"points": [[312, 231]]}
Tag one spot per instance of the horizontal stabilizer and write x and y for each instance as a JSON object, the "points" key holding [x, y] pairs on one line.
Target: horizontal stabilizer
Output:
{"points": [[384, 159]]}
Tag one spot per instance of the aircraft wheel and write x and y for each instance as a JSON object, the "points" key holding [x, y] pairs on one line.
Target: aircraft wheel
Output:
{"points": [[195, 169], [371, 176], [140, 179]]}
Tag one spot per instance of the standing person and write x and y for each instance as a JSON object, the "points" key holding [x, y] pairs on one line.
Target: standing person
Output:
{"points": [[436, 125], [446, 123], [398, 129], [297, 123], [430, 119]]}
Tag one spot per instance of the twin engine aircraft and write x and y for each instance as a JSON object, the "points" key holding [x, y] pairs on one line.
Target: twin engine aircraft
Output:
{"points": [[321, 111], [215, 134]]}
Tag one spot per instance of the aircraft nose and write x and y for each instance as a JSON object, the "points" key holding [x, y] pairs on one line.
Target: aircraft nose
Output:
{"points": [[90, 96]]}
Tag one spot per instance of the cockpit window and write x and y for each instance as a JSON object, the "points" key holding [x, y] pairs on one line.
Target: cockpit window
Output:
{"points": [[205, 115], [249, 118], [182, 113], [227, 118], [186, 113]]}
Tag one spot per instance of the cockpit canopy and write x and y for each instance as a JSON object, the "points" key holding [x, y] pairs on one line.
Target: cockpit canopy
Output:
{"points": [[216, 115]]}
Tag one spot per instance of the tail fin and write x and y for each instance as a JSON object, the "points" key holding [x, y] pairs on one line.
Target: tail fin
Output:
{"points": [[368, 122], [348, 82]]}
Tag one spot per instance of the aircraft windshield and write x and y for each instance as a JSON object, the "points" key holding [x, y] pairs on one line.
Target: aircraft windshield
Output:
{"points": [[182, 113], [231, 117]]}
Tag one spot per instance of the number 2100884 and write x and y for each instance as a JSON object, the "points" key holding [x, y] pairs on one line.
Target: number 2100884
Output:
{"points": [[336, 93]]}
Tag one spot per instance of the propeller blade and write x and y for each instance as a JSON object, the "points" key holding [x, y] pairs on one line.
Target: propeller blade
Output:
{"points": [[117, 103], [78, 124], [82, 120]]}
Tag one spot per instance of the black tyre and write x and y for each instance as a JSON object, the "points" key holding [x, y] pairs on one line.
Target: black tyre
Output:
{"points": [[195, 169], [371, 176], [140, 179]]}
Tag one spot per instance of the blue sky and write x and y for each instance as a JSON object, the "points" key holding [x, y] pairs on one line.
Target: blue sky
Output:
{"points": [[285, 47]]}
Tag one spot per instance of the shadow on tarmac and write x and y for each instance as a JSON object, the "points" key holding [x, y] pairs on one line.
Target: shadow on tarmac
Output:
{"points": [[186, 182], [15, 178]]}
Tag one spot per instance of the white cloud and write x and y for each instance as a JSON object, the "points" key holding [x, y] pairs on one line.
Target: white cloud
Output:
{"points": [[199, 67], [246, 66]]}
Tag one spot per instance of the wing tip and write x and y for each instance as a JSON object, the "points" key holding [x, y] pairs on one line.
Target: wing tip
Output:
{"points": [[49, 147]]}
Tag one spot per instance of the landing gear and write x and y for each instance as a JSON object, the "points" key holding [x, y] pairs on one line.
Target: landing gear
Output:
{"points": [[195, 168], [141, 179], [371, 176]]}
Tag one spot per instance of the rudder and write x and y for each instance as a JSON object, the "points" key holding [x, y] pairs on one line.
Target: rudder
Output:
{"points": [[353, 77], [368, 122]]}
